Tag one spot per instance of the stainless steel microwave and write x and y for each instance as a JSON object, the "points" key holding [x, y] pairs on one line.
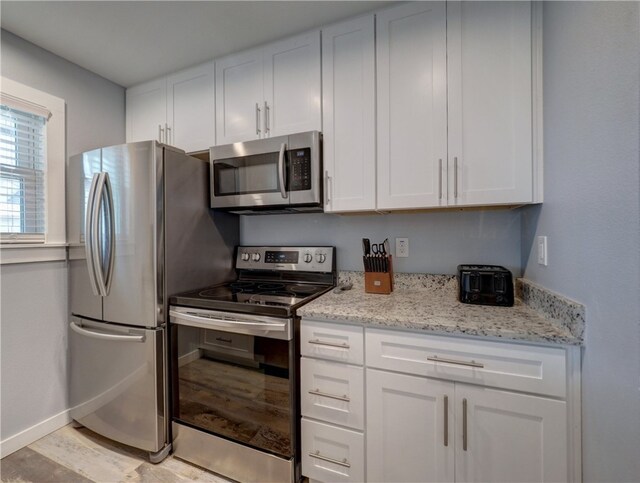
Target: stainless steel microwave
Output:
{"points": [[268, 175]]}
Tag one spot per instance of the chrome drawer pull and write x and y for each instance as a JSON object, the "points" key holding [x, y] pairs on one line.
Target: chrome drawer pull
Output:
{"points": [[453, 361], [342, 345], [332, 396], [330, 460]]}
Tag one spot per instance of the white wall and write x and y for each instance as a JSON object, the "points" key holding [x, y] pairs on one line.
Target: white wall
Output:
{"points": [[591, 214], [33, 296], [438, 242]]}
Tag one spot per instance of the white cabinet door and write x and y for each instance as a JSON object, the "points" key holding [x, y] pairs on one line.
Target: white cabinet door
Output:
{"points": [[239, 97], [190, 108], [490, 103], [147, 111], [348, 99], [409, 433], [412, 105], [510, 437], [292, 85]]}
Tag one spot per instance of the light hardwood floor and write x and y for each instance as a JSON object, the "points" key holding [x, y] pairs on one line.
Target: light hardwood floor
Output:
{"points": [[72, 455]]}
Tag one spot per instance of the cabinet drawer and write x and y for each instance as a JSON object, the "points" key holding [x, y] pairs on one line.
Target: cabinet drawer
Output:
{"points": [[540, 370], [335, 342], [332, 392], [331, 454]]}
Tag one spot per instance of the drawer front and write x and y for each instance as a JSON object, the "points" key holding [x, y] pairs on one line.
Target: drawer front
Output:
{"points": [[540, 370], [334, 342], [331, 454], [332, 392]]}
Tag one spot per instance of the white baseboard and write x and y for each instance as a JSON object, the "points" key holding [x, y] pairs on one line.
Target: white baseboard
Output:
{"points": [[34, 433]]}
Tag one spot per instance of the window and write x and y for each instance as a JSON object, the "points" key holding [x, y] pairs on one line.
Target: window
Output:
{"points": [[22, 172], [32, 161]]}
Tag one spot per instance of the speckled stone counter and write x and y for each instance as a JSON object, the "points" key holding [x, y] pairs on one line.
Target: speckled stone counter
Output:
{"points": [[429, 302]]}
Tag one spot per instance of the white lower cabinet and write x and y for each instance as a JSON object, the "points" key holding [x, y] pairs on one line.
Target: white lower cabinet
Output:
{"points": [[420, 429], [438, 409], [509, 437], [410, 429], [330, 453]]}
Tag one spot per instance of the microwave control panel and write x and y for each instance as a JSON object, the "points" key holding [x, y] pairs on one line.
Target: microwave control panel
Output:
{"points": [[300, 169]]}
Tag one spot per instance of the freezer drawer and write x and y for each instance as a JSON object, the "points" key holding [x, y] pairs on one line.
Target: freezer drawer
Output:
{"points": [[117, 382]]}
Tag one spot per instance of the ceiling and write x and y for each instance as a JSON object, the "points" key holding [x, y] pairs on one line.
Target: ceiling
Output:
{"points": [[132, 42]]}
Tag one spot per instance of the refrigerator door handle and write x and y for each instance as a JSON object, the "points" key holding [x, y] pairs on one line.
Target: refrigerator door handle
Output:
{"points": [[105, 335], [95, 236], [112, 234], [88, 233]]}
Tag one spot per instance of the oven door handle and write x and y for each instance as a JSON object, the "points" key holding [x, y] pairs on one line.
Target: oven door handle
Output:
{"points": [[228, 324]]}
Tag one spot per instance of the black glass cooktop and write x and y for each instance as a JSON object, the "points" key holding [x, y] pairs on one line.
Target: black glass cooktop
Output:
{"points": [[259, 297]]}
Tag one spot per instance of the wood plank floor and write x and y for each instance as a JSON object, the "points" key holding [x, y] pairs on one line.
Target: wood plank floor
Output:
{"points": [[72, 455]]}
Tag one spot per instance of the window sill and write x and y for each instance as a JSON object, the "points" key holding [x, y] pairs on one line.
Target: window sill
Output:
{"points": [[12, 253]]}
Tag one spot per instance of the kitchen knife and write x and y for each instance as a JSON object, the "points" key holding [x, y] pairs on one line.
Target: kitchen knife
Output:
{"points": [[366, 247]]}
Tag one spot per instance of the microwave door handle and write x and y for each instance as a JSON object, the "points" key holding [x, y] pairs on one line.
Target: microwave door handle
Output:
{"points": [[283, 188]]}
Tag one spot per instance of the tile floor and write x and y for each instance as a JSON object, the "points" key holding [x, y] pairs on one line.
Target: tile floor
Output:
{"points": [[72, 455]]}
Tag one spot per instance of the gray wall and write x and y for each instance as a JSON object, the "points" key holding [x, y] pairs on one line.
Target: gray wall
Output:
{"points": [[591, 214], [33, 314], [438, 242]]}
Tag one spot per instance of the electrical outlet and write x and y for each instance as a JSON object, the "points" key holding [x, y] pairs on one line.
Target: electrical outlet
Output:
{"points": [[402, 247], [542, 250]]}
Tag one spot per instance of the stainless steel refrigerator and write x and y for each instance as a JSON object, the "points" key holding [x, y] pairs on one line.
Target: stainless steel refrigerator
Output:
{"points": [[140, 229]]}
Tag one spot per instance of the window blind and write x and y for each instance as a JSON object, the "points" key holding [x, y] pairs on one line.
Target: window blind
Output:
{"points": [[22, 174]]}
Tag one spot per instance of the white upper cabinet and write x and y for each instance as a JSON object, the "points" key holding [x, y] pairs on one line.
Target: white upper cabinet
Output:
{"points": [[348, 83], [239, 94], [292, 85], [190, 108], [489, 48], [412, 105], [176, 110], [458, 104], [147, 111], [270, 91]]}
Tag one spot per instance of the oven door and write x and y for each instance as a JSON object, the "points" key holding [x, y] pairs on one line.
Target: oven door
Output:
{"points": [[250, 174], [234, 377]]}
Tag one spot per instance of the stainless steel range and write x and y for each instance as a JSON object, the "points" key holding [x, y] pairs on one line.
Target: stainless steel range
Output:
{"points": [[235, 350]]}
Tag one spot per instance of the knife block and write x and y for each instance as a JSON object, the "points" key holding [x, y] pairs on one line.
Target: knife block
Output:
{"points": [[379, 282]]}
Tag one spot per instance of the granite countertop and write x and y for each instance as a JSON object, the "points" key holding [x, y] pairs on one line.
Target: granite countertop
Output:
{"points": [[429, 303]]}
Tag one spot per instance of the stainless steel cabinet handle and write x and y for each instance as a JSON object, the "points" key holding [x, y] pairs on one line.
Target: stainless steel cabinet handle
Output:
{"points": [[283, 187], [106, 336], [446, 420], [330, 460], [88, 233], [266, 118], [317, 392], [341, 345], [455, 177], [257, 119], [440, 179], [327, 179], [464, 424], [168, 131], [160, 133], [453, 361]]}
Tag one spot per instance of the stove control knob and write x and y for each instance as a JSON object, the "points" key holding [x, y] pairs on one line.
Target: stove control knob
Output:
{"points": [[308, 258], [321, 257], [245, 257], [255, 257]]}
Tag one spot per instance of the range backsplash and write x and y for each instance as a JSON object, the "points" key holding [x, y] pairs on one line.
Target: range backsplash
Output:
{"points": [[438, 241]]}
